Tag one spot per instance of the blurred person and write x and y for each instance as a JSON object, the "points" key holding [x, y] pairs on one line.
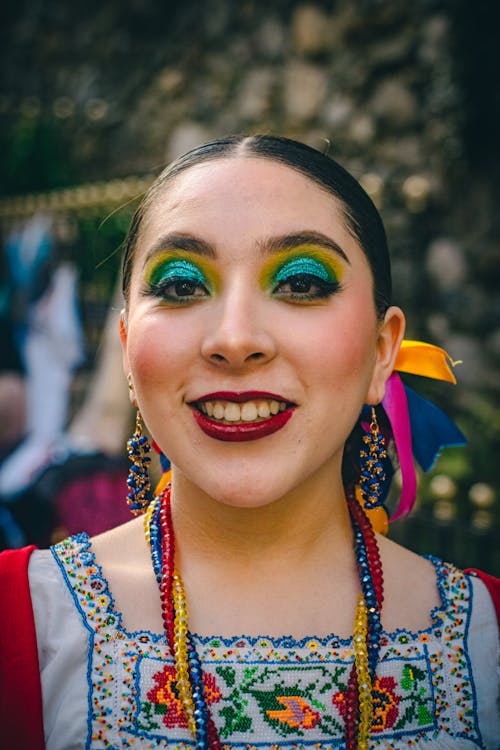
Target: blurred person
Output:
{"points": [[12, 384], [48, 331], [256, 602]]}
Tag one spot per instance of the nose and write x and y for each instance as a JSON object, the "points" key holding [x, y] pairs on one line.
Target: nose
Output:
{"points": [[237, 332]]}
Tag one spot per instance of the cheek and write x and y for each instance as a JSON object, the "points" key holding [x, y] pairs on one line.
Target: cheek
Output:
{"points": [[340, 348], [159, 349]]}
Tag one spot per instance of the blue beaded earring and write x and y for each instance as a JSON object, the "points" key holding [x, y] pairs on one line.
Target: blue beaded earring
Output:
{"points": [[372, 473], [138, 482]]}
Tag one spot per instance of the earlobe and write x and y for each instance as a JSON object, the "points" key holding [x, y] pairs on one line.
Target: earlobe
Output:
{"points": [[390, 336]]}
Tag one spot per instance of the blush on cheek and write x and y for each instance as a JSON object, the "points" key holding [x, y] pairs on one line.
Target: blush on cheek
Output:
{"points": [[158, 354], [348, 361]]}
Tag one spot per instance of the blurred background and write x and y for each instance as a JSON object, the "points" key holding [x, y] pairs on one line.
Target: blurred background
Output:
{"points": [[95, 97]]}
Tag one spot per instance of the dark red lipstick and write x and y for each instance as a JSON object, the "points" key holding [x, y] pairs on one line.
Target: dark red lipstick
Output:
{"points": [[237, 432]]}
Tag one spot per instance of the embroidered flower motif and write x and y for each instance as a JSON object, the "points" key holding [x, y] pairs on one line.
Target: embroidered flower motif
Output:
{"points": [[384, 703], [211, 689], [165, 698], [424, 637], [297, 712]]}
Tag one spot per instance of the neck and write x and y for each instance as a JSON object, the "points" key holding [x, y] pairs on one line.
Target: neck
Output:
{"points": [[299, 525]]}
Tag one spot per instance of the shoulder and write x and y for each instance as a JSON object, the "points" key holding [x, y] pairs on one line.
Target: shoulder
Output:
{"points": [[490, 584], [120, 542], [63, 642], [54, 608], [411, 587]]}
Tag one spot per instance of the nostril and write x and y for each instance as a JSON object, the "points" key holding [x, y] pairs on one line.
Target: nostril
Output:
{"points": [[218, 357], [255, 355]]}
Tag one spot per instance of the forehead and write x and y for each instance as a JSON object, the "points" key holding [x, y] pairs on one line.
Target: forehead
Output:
{"points": [[243, 197]]}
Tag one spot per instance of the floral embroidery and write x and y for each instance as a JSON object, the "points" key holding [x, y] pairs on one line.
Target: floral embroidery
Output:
{"points": [[385, 703], [297, 712], [164, 699], [276, 694]]}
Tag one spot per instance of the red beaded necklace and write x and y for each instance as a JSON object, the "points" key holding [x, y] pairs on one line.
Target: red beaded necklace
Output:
{"points": [[356, 708]]}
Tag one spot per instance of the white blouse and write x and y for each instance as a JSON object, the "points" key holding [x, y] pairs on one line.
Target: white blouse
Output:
{"points": [[104, 687]]}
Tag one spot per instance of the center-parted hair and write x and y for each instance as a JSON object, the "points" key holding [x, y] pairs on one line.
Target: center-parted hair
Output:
{"points": [[361, 217]]}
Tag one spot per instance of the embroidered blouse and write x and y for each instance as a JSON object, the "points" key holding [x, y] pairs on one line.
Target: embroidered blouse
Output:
{"points": [[104, 687]]}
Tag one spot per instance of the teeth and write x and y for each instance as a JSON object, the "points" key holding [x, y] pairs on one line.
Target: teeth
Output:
{"points": [[249, 411], [218, 410], [232, 412], [263, 409]]}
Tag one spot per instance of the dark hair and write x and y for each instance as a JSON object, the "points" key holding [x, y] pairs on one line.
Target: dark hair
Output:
{"points": [[362, 218]]}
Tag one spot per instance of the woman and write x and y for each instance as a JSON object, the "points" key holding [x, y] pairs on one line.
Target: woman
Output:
{"points": [[257, 328]]}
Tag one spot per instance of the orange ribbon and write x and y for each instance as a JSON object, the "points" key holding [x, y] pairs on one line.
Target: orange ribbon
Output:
{"points": [[420, 358]]}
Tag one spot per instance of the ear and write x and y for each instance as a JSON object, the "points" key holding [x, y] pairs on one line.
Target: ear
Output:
{"points": [[390, 336], [122, 325]]}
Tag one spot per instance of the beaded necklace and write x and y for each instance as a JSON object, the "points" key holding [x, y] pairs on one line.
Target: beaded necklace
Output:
{"points": [[357, 709]]}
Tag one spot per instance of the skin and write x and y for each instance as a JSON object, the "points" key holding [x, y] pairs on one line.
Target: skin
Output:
{"points": [[263, 521]]}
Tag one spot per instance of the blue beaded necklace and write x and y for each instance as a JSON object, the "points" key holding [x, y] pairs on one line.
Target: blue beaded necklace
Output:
{"points": [[159, 533]]}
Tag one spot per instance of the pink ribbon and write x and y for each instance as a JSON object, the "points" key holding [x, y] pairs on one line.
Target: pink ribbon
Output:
{"points": [[395, 406]]}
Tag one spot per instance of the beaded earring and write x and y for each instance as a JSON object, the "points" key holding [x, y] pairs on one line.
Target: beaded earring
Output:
{"points": [[372, 473], [138, 482]]}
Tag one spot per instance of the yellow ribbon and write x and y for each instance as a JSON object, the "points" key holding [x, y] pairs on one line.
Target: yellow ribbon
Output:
{"points": [[419, 358]]}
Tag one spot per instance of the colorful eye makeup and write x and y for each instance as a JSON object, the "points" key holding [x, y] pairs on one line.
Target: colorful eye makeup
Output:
{"points": [[178, 278], [303, 274]]}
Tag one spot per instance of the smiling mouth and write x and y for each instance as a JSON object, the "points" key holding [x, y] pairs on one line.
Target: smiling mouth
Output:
{"points": [[237, 417], [230, 412]]}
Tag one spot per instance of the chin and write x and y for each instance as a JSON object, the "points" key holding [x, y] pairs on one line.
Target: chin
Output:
{"points": [[240, 490]]}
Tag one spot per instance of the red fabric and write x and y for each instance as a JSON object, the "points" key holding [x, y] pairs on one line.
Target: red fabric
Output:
{"points": [[493, 586], [21, 719]]}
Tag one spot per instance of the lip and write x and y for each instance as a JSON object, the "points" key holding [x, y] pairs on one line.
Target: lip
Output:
{"points": [[246, 431]]}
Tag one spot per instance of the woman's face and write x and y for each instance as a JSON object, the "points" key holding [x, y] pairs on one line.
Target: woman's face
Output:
{"points": [[251, 333]]}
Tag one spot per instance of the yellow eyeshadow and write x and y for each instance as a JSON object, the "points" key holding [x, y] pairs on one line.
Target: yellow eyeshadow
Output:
{"points": [[180, 263], [306, 259]]}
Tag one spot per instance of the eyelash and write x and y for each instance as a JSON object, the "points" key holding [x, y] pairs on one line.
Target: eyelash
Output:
{"points": [[324, 289], [184, 289], [161, 290]]}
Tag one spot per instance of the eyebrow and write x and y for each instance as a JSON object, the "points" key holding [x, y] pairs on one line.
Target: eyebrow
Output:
{"points": [[290, 241], [268, 246], [181, 242]]}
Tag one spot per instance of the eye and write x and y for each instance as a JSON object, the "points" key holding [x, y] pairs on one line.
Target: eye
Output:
{"points": [[177, 281], [179, 290], [304, 278], [305, 287]]}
